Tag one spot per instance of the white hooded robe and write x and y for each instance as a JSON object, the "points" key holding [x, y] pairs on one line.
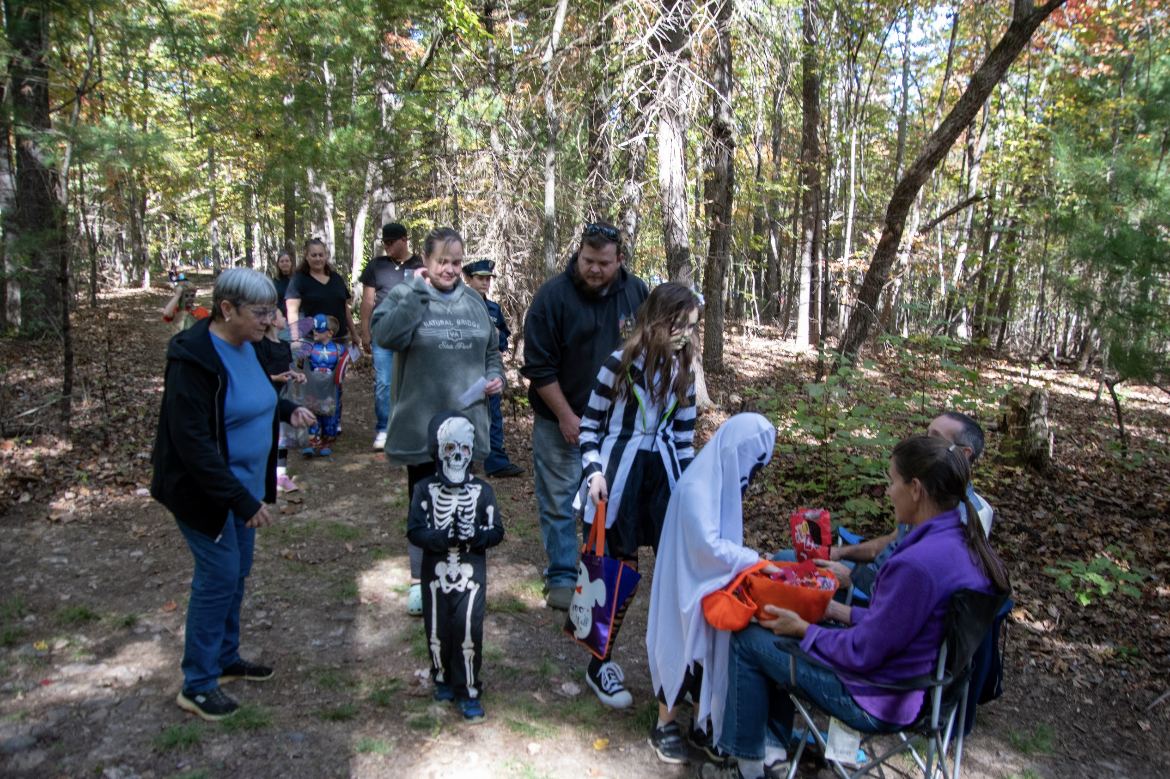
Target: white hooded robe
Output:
{"points": [[702, 550]]}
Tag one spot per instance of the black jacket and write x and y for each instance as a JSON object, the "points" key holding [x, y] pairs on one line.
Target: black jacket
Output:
{"points": [[191, 473], [568, 335]]}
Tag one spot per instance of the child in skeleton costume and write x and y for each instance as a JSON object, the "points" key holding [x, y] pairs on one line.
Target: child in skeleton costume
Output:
{"points": [[454, 520], [636, 441]]}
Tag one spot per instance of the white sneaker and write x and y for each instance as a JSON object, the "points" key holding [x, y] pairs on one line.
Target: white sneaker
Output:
{"points": [[608, 686], [380, 441]]}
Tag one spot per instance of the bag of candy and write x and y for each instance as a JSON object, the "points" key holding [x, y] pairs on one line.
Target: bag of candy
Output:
{"points": [[799, 587], [811, 533]]}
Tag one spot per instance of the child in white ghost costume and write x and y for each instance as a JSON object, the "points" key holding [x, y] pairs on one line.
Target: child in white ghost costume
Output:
{"points": [[454, 519], [701, 550]]}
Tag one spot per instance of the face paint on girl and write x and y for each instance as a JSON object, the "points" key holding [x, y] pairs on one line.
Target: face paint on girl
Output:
{"points": [[681, 333]]}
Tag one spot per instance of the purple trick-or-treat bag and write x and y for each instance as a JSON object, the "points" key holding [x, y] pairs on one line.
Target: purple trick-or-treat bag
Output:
{"points": [[604, 585]]}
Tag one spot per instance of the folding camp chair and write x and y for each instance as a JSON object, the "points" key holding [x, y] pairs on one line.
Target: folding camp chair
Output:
{"points": [[969, 616]]}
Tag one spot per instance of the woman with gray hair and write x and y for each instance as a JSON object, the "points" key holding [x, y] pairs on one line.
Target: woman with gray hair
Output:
{"points": [[214, 468]]}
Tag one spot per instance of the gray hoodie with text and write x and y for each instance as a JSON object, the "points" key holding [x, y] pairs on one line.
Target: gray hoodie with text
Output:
{"points": [[442, 345]]}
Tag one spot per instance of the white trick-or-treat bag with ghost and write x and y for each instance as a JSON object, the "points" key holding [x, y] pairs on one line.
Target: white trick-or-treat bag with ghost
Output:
{"points": [[603, 587]]}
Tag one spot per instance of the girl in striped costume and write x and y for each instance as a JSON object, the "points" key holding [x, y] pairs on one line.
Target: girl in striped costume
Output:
{"points": [[636, 440]]}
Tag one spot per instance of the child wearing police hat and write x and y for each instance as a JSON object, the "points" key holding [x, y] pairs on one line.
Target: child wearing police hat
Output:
{"points": [[478, 275]]}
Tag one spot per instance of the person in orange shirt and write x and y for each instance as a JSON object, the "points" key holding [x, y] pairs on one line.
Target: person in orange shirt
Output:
{"points": [[190, 313]]}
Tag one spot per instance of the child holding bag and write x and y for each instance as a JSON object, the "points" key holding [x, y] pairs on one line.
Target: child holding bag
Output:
{"points": [[636, 441]]}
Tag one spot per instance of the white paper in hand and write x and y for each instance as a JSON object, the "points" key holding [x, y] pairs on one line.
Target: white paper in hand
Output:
{"points": [[474, 392]]}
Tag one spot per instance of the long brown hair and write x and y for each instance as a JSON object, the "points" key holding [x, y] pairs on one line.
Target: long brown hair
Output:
{"points": [[943, 472], [304, 266], [666, 370]]}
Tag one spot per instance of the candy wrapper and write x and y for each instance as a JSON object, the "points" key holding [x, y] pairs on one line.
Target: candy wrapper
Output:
{"points": [[811, 533]]}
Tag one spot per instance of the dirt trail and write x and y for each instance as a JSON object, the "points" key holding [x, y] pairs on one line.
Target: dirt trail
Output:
{"points": [[93, 611]]}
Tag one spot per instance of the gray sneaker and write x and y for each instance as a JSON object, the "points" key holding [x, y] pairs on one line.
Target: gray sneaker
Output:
{"points": [[559, 597]]}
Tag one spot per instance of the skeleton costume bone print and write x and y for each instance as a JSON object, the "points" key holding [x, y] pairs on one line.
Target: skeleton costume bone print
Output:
{"points": [[454, 519]]}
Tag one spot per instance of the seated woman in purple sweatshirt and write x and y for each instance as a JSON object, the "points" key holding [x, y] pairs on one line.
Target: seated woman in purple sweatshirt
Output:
{"points": [[895, 639]]}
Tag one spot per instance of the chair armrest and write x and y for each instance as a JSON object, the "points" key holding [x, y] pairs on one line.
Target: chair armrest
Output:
{"points": [[792, 648]]}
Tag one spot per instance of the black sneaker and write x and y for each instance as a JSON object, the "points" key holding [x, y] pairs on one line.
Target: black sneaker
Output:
{"points": [[242, 669], [443, 693], [668, 744], [212, 705], [606, 680], [710, 771], [701, 740], [507, 472]]}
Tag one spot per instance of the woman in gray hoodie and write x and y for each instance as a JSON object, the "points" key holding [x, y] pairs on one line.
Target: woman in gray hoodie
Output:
{"points": [[443, 343]]}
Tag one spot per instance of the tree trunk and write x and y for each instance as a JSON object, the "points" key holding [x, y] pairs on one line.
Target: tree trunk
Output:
{"points": [[720, 188], [808, 326], [1024, 426], [11, 265], [358, 241], [550, 148], [213, 228], [900, 153], [599, 156], [322, 221], [635, 169], [290, 217], [39, 215], [1025, 20], [671, 42]]}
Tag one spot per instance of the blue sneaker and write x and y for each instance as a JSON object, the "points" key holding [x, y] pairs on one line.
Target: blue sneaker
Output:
{"points": [[325, 452], [472, 710], [308, 451], [443, 693]]}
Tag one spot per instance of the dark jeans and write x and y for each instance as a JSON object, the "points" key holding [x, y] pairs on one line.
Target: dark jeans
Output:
{"points": [[217, 590], [498, 459], [757, 695]]}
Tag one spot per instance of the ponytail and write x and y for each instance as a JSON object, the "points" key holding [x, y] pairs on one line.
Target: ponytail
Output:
{"points": [[981, 552], [944, 474]]}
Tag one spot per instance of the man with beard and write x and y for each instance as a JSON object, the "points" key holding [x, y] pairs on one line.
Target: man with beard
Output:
{"points": [[575, 321]]}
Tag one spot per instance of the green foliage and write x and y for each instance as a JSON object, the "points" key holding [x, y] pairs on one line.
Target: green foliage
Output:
{"points": [[14, 607], [1037, 741], [1102, 576], [840, 431], [248, 717], [11, 634], [181, 736], [72, 615], [383, 694], [342, 712], [369, 745]]}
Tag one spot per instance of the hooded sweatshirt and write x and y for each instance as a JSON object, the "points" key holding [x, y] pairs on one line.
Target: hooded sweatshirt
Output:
{"points": [[568, 334], [443, 343], [702, 550], [192, 477]]}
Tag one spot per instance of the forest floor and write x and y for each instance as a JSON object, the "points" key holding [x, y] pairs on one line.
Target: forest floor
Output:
{"points": [[96, 579]]}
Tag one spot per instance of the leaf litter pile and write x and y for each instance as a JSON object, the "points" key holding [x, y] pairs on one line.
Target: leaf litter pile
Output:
{"points": [[1087, 668]]}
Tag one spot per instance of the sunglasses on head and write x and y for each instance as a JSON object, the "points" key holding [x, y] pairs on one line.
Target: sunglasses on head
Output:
{"points": [[608, 233]]}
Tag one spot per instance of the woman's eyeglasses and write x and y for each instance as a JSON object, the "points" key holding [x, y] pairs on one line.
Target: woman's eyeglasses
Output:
{"points": [[262, 314]]}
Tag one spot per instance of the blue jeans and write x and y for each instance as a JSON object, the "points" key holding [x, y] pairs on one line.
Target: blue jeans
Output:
{"points": [[556, 466], [217, 590], [498, 459], [754, 704], [383, 362]]}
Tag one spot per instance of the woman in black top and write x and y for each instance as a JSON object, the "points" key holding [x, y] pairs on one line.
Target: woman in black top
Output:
{"points": [[316, 288], [284, 271]]}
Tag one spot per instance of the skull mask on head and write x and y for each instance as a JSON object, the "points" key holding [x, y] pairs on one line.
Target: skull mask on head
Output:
{"points": [[452, 445]]}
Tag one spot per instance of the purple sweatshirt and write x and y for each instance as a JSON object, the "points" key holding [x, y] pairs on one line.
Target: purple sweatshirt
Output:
{"points": [[898, 636]]}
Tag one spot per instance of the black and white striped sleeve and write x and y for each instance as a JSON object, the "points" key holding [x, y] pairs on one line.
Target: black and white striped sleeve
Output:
{"points": [[683, 428], [596, 414]]}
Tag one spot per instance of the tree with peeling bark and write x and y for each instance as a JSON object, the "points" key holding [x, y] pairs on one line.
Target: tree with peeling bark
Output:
{"points": [[720, 190]]}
